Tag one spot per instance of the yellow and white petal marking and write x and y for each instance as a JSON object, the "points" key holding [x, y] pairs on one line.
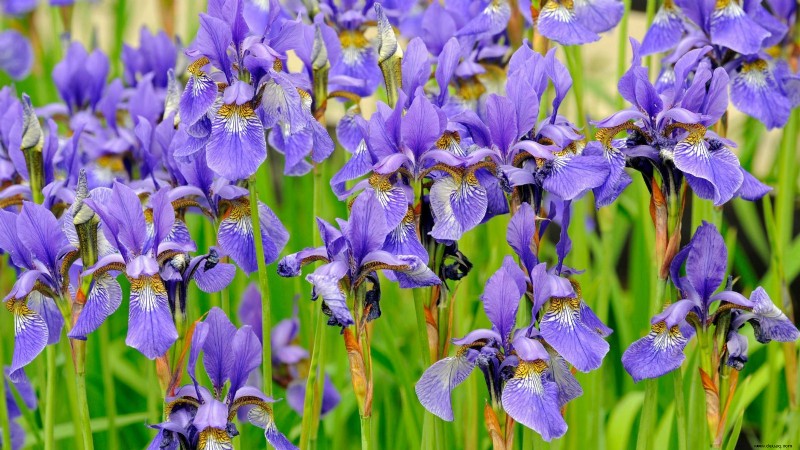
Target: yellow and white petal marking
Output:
{"points": [[560, 10], [451, 142], [565, 310], [664, 337], [24, 317], [149, 289], [214, 439], [531, 373], [354, 47], [237, 117]]}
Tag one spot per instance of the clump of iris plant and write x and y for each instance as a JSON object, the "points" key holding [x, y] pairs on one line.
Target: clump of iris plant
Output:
{"points": [[716, 316], [526, 364], [201, 418]]}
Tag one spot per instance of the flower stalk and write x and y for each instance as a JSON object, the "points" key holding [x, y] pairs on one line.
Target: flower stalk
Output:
{"points": [[263, 284]]}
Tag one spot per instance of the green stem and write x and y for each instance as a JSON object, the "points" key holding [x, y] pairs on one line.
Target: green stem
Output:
{"points": [[312, 392], [79, 353], [4, 420], [50, 396], [575, 66], [680, 407], [108, 388], [263, 284], [366, 432], [650, 406]]}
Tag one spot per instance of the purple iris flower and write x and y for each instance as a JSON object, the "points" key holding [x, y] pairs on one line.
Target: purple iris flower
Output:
{"points": [[549, 155], [238, 89], [16, 54], [28, 397], [38, 247], [81, 78], [738, 33], [201, 418], [669, 128], [574, 22], [525, 367], [353, 254], [18, 7], [138, 252], [705, 261], [288, 358], [229, 206], [156, 55]]}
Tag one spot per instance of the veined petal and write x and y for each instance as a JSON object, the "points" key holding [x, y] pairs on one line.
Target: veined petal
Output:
{"points": [[403, 240], [392, 198], [104, 298], [501, 300], [755, 92], [458, 204], [150, 326], [359, 164], [519, 235], [532, 400], [236, 235], [217, 347], [707, 260], [237, 145], [568, 386], [47, 308], [198, 95], [492, 20], [437, 383], [326, 286], [573, 175], [564, 330], [712, 174], [656, 354], [417, 273], [557, 21], [752, 189], [769, 322], [731, 27], [30, 336], [599, 15], [665, 31], [246, 355], [213, 438]]}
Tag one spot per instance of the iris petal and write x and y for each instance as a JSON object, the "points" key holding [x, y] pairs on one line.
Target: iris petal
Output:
{"points": [[150, 326], [532, 400], [436, 384]]}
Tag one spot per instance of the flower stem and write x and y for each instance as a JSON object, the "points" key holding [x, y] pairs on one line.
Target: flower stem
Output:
{"points": [[622, 46], [680, 407], [79, 355], [366, 432], [108, 388], [4, 420], [650, 406], [312, 403], [263, 284], [50, 396]]}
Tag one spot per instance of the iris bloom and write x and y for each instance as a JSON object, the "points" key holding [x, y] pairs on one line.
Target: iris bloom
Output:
{"points": [[204, 419], [739, 33], [525, 367], [245, 65], [139, 254], [670, 128], [352, 255], [705, 260], [40, 250], [16, 54], [28, 397]]}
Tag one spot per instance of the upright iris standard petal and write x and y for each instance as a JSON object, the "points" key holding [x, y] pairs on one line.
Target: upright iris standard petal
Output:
{"points": [[217, 347], [39, 231], [237, 145], [531, 399], [437, 383], [521, 229], [501, 300], [706, 261], [458, 204], [150, 326], [104, 298], [246, 355], [367, 228]]}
